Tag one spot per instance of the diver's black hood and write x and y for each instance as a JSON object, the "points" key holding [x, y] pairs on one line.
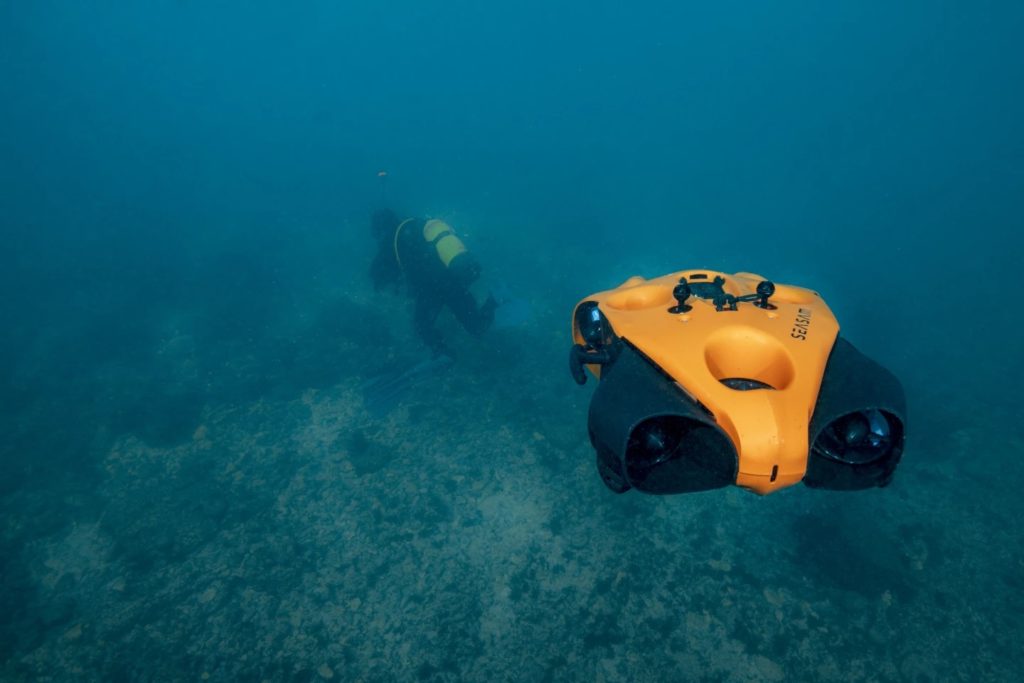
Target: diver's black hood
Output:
{"points": [[383, 223]]}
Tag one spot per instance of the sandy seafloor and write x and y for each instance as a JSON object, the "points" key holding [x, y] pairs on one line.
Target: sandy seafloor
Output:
{"points": [[467, 536]]}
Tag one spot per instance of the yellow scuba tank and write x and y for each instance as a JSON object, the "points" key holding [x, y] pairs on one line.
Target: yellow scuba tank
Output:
{"points": [[709, 379], [446, 244]]}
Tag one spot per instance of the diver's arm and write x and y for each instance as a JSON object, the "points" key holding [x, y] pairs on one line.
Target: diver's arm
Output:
{"points": [[475, 320]]}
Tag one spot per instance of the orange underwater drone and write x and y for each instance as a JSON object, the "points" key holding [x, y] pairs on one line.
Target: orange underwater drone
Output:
{"points": [[709, 379]]}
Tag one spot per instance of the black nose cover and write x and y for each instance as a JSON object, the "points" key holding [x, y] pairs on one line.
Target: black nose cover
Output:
{"points": [[858, 430], [650, 435]]}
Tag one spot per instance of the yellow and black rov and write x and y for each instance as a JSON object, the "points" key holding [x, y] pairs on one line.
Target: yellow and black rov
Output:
{"points": [[709, 379]]}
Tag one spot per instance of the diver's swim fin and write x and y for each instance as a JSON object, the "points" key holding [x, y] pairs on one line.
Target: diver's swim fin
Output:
{"points": [[384, 392]]}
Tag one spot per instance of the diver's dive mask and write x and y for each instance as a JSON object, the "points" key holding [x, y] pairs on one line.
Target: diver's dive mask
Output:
{"points": [[739, 382]]}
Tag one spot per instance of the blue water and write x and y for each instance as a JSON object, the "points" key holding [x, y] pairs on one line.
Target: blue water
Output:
{"points": [[191, 487]]}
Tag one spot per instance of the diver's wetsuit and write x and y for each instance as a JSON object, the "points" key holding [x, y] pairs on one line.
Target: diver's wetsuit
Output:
{"points": [[430, 283]]}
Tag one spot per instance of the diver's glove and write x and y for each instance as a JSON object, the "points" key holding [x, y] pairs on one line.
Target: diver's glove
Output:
{"points": [[501, 292]]}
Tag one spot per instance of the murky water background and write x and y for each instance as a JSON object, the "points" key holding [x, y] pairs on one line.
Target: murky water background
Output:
{"points": [[191, 487]]}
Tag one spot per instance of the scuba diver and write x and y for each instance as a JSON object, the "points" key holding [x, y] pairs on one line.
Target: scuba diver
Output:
{"points": [[438, 272]]}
